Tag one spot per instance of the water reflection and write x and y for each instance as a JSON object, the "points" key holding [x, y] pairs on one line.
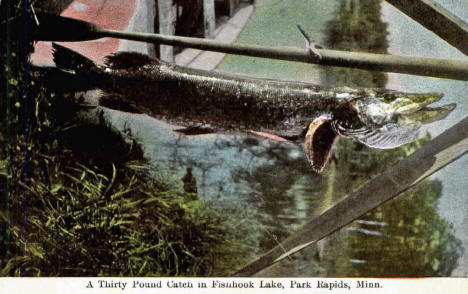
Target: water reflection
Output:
{"points": [[418, 41], [416, 241], [274, 184], [282, 187], [405, 237], [273, 180], [356, 26]]}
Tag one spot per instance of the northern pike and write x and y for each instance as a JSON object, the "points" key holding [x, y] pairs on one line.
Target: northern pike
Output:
{"points": [[295, 111]]}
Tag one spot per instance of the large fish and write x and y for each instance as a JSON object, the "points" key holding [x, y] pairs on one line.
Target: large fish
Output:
{"points": [[295, 111]]}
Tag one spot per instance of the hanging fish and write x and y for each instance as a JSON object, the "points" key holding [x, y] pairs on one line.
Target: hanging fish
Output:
{"points": [[292, 111]]}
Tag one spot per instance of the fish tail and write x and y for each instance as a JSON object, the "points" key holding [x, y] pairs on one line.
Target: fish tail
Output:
{"points": [[68, 59], [79, 72]]}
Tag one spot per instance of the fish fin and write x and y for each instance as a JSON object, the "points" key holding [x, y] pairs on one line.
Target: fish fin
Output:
{"points": [[59, 80], [68, 59], [319, 142], [118, 102], [386, 137], [405, 129], [268, 136], [195, 130], [126, 60]]}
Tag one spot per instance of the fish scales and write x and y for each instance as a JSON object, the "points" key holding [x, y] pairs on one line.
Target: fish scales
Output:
{"points": [[226, 101], [295, 111]]}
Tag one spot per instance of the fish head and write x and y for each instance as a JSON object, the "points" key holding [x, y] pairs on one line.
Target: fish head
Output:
{"points": [[381, 119]]}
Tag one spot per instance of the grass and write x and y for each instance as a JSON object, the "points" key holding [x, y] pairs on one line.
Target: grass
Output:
{"points": [[87, 224]]}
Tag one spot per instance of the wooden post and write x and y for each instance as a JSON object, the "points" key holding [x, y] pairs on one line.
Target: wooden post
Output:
{"points": [[167, 19], [232, 6], [436, 19], [143, 20], [209, 19], [150, 17]]}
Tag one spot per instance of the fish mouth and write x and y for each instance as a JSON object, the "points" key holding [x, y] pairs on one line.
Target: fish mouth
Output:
{"points": [[391, 120], [319, 141], [410, 102]]}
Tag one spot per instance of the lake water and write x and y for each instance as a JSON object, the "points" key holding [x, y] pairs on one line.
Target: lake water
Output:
{"points": [[408, 38], [274, 182]]}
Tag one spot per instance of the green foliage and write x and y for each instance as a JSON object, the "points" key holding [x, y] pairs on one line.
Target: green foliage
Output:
{"points": [[87, 224]]}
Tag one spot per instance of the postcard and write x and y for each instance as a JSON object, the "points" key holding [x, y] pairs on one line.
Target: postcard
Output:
{"points": [[225, 146]]}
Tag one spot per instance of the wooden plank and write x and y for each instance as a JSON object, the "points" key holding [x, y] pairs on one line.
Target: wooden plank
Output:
{"points": [[209, 18], [431, 157], [436, 19]]}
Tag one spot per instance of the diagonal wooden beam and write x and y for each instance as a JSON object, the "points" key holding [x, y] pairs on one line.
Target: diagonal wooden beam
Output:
{"points": [[436, 19], [408, 172]]}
